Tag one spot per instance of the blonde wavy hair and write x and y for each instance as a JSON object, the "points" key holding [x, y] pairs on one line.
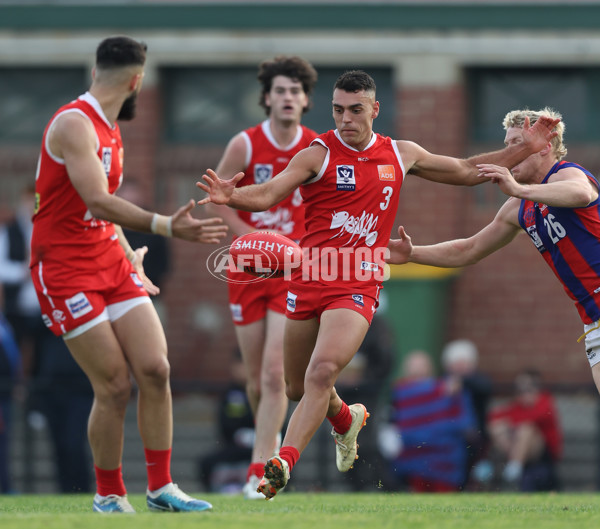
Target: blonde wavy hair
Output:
{"points": [[516, 118]]}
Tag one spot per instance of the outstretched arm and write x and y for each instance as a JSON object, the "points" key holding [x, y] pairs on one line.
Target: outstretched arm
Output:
{"points": [[235, 159], [567, 188], [73, 138], [459, 252], [446, 169], [260, 197]]}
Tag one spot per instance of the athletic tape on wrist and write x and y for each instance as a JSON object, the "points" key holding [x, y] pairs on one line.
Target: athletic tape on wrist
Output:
{"points": [[162, 225]]}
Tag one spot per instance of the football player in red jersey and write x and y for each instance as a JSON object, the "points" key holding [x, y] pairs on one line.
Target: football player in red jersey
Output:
{"points": [[90, 282], [350, 179], [258, 307]]}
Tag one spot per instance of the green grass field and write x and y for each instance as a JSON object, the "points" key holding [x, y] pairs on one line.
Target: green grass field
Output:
{"points": [[316, 510]]}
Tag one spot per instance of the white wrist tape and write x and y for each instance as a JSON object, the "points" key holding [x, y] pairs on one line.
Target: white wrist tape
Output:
{"points": [[162, 225]]}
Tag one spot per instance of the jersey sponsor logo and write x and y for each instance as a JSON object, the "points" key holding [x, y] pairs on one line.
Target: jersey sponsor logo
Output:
{"points": [[79, 305], [263, 172], [136, 280], [387, 173], [47, 321], [106, 159], [291, 301], [363, 227], [236, 312], [345, 177], [370, 267], [358, 299], [58, 316]]}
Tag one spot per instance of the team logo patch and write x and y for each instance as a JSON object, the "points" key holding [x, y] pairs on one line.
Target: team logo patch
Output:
{"points": [[58, 316], [236, 312], [137, 281], [358, 299], [106, 159], [78, 305], [345, 177], [291, 301], [263, 172], [387, 173]]}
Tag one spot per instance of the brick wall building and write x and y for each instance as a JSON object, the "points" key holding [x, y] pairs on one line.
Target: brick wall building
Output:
{"points": [[510, 304]]}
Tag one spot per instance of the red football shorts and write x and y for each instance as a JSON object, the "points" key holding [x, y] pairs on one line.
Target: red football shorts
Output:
{"points": [[65, 308], [249, 298], [306, 300]]}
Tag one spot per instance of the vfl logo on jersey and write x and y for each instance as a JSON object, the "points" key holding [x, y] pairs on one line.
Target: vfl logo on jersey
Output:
{"points": [[291, 301], [79, 305], [263, 172], [532, 232], [345, 177], [358, 299], [106, 159], [387, 173], [236, 311]]}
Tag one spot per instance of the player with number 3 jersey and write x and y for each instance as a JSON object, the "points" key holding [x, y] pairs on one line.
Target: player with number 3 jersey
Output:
{"points": [[351, 200]]}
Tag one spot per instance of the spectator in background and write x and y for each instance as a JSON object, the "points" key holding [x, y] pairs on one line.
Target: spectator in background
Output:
{"points": [[21, 306], [64, 396], [460, 365], [224, 469], [432, 424], [526, 433], [10, 369], [55, 384]]}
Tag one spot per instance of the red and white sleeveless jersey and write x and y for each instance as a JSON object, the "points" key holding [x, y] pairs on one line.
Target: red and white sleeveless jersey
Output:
{"points": [[264, 160], [350, 209], [65, 234]]}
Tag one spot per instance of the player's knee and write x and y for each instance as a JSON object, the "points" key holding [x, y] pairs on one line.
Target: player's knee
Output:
{"points": [[272, 381], [157, 372], [322, 375], [115, 390]]}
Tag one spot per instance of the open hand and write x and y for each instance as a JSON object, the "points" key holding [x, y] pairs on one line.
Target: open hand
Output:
{"points": [[400, 249], [219, 191]]}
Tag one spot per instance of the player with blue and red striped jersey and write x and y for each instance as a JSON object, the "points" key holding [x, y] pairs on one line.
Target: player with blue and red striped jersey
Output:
{"points": [[556, 203]]}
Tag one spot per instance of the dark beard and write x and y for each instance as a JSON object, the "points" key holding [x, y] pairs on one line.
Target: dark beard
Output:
{"points": [[127, 112]]}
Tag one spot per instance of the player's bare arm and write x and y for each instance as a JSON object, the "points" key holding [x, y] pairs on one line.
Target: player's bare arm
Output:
{"points": [[72, 138], [567, 188], [460, 252], [445, 169], [233, 161], [260, 197]]}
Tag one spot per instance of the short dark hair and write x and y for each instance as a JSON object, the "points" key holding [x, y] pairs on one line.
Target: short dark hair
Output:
{"points": [[294, 67], [355, 81], [115, 52]]}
